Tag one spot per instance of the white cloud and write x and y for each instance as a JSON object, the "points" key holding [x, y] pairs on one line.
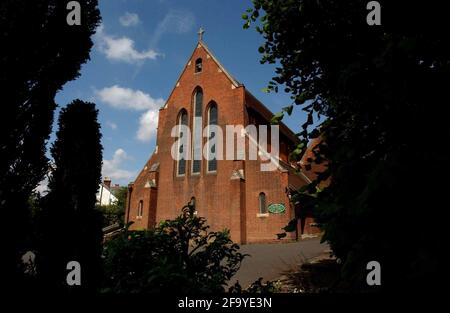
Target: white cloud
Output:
{"points": [[136, 100], [129, 19], [121, 49], [148, 123], [127, 98], [112, 168], [175, 21], [112, 125]]}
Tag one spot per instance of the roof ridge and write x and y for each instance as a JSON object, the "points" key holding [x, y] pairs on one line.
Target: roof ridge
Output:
{"points": [[235, 82]]}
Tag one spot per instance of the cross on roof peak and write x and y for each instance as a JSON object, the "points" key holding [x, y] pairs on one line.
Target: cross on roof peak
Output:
{"points": [[200, 33]]}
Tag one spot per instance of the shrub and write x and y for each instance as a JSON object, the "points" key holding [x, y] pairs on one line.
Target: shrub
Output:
{"points": [[177, 256]]}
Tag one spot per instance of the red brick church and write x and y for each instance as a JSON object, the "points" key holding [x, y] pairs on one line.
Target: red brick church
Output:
{"points": [[234, 194]]}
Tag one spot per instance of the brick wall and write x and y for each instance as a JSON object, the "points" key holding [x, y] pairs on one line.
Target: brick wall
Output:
{"points": [[223, 198]]}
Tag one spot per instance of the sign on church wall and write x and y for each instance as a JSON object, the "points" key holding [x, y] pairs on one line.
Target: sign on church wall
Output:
{"points": [[276, 208]]}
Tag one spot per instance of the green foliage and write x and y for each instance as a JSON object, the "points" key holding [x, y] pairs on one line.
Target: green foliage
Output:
{"points": [[277, 118], [288, 109], [39, 54], [70, 225], [178, 256], [256, 287], [381, 90], [114, 213], [121, 195]]}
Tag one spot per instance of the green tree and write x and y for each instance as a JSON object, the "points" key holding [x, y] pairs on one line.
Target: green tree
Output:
{"points": [[178, 256], [114, 213], [111, 214], [71, 227], [382, 91], [39, 54], [121, 195]]}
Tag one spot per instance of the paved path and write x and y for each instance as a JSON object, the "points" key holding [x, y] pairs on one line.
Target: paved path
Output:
{"points": [[271, 260]]}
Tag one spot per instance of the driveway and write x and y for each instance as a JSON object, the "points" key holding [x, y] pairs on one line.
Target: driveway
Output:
{"points": [[269, 261]]}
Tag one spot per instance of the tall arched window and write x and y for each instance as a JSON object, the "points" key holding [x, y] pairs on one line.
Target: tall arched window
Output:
{"points": [[181, 163], [140, 209], [262, 203], [197, 132], [198, 65], [212, 120]]}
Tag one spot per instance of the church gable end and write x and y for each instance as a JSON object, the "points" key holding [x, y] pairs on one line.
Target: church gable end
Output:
{"points": [[202, 69], [230, 193]]}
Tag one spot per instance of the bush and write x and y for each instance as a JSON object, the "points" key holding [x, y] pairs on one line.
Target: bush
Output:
{"points": [[256, 287], [178, 256], [111, 214]]}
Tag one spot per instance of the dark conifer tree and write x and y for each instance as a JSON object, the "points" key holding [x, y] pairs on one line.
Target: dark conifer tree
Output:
{"points": [[40, 53], [71, 227]]}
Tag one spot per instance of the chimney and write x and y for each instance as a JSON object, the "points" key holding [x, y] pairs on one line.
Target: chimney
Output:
{"points": [[107, 182]]}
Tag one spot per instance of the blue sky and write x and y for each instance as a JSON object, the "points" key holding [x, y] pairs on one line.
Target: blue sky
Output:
{"points": [[139, 52]]}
